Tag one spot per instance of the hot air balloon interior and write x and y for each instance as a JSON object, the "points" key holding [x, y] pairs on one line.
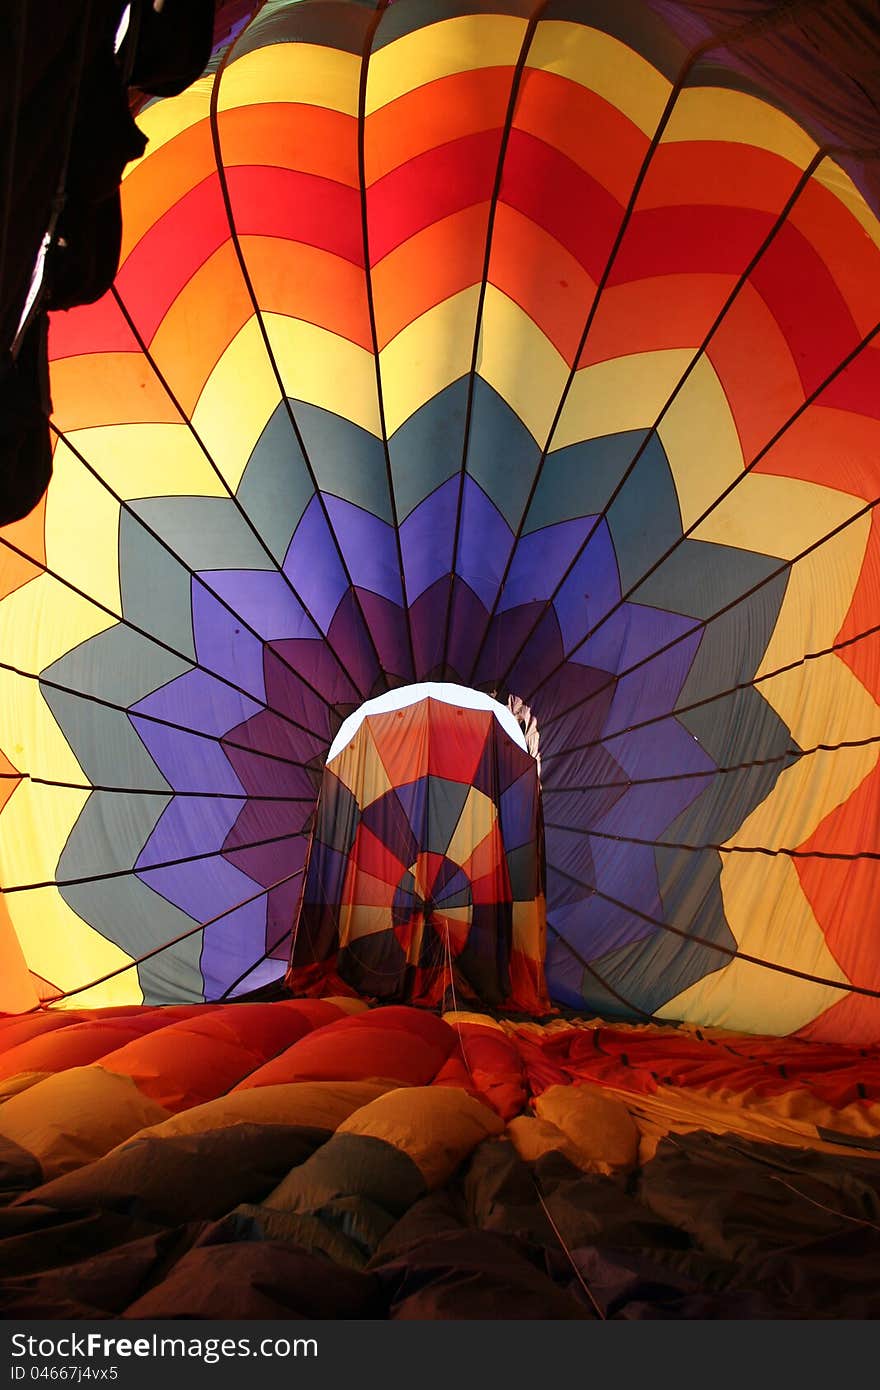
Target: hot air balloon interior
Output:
{"points": [[528, 347]]}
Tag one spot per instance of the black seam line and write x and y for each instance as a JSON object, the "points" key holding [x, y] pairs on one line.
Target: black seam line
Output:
{"points": [[675, 91], [284, 399], [134, 872], [150, 718], [371, 310], [729, 951], [722, 497], [732, 690], [190, 661], [195, 575], [704, 622], [166, 945], [794, 754], [588, 831], [167, 792], [233, 498], [270, 950], [515, 84], [603, 983]]}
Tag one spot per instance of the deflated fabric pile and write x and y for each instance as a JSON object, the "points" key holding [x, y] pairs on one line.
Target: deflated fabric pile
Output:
{"points": [[316, 1158]]}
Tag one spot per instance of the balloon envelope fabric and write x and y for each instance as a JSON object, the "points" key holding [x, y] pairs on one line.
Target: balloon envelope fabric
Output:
{"points": [[528, 346], [426, 868]]}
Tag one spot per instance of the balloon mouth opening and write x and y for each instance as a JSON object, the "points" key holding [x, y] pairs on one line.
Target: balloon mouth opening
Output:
{"points": [[509, 715]]}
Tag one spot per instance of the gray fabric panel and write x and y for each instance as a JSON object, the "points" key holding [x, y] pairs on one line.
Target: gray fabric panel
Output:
{"points": [[644, 519], [578, 480], [110, 832], [208, 533], [347, 460], [502, 455], [275, 488], [427, 448], [118, 665], [445, 805], [156, 588], [724, 573], [137, 919]]}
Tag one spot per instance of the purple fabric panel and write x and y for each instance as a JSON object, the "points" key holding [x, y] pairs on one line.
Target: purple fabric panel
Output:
{"points": [[388, 624], [198, 701], [313, 566], [224, 646], [270, 864], [369, 548], [190, 825], [589, 591], [233, 944], [655, 687], [264, 599], [541, 559], [202, 889], [631, 634], [484, 543], [660, 750], [192, 763], [426, 539], [518, 810]]}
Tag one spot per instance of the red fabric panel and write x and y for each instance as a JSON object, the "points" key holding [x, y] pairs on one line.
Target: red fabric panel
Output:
{"points": [[394, 1043], [205, 1056]]}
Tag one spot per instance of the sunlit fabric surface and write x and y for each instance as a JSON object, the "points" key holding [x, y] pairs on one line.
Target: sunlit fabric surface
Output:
{"points": [[530, 348]]}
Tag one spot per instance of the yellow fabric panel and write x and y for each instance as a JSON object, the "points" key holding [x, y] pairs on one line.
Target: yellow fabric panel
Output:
{"points": [[75, 1116], [236, 403], [701, 442], [530, 927], [325, 369], [360, 768], [148, 460], [428, 355], [436, 1126], [301, 72], [61, 947], [477, 818], [764, 903], [605, 66], [360, 919], [456, 1016], [792, 1118], [372, 779], [38, 623], [321, 1104], [599, 1126], [82, 533], [346, 1002], [164, 120], [438, 50], [520, 363], [626, 393], [817, 599], [776, 516], [532, 1138], [771, 919], [12, 1085], [838, 181], [720, 114]]}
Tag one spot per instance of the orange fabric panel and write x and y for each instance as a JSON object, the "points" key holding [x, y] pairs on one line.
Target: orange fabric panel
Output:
{"points": [[203, 1057], [392, 1044]]}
